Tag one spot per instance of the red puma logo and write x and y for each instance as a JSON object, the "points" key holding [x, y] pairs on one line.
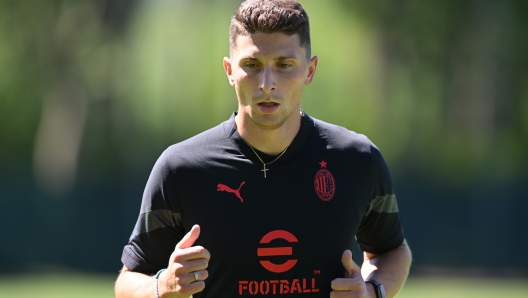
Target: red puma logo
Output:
{"points": [[223, 187]]}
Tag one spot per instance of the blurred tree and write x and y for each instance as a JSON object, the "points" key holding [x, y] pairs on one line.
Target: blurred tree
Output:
{"points": [[91, 92], [59, 53], [452, 74]]}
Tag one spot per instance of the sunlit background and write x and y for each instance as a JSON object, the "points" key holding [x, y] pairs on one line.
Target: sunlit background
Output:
{"points": [[91, 93]]}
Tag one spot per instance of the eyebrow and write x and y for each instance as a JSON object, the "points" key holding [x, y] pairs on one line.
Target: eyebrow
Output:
{"points": [[285, 57], [274, 59]]}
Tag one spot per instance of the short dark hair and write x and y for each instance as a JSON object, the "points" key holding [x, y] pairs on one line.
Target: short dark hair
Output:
{"points": [[271, 16]]}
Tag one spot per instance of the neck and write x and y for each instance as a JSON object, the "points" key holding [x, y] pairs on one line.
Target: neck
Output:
{"points": [[269, 141]]}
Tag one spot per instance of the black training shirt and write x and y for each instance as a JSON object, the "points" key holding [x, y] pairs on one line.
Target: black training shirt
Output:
{"points": [[283, 234]]}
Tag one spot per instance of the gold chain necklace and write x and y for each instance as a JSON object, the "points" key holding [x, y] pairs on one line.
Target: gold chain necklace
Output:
{"points": [[265, 164]]}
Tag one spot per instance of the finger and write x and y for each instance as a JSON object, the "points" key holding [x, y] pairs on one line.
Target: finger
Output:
{"points": [[190, 277], [342, 294], [351, 268], [191, 253], [192, 288], [185, 267], [189, 238], [348, 284]]}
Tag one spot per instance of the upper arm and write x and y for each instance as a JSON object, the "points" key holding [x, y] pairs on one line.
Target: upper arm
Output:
{"points": [[403, 246], [159, 224], [380, 229]]}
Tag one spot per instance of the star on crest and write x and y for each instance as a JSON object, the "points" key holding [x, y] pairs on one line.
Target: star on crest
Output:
{"points": [[323, 164]]}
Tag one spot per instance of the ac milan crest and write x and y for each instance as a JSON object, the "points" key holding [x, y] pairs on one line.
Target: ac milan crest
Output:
{"points": [[324, 183]]}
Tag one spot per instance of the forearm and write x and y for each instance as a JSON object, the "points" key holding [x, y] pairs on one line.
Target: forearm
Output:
{"points": [[390, 268], [134, 285]]}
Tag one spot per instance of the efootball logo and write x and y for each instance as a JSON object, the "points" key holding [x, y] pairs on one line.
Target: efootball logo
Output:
{"points": [[277, 251], [282, 284]]}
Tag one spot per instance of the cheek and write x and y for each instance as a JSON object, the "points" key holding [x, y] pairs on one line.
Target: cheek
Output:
{"points": [[243, 89], [243, 82], [295, 78], [239, 75], [293, 84], [242, 78]]}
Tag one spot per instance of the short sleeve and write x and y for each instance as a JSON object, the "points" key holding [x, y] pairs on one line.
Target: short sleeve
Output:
{"points": [[159, 225], [380, 229]]}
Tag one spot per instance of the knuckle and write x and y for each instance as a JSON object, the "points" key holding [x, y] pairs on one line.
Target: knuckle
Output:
{"points": [[200, 285], [179, 269], [200, 264], [207, 254], [178, 256], [200, 250], [204, 263]]}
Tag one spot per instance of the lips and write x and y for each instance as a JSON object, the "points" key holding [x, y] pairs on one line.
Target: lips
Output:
{"points": [[268, 107]]}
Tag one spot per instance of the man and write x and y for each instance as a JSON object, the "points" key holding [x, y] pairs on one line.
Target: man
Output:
{"points": [[268, 202]]}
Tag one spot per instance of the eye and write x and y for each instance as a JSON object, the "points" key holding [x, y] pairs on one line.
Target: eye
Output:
{"points": [[284, 65]]}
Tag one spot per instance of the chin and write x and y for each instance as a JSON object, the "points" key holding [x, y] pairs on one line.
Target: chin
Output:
{"points": [[268, 122]]}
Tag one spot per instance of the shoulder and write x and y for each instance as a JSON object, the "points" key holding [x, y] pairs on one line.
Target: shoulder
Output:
{"points": [[204, 145], [340, 138], [206, 138]]}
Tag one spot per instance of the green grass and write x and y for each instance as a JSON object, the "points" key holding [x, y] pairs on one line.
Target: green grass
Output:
{"points": [[101, 286], [417, 287], [57, 286]]}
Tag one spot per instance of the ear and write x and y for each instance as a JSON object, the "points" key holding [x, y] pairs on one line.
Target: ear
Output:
{"points": [[229, 71], [312, 66]]}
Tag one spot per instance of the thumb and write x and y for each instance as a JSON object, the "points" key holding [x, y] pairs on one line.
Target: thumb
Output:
{"points": [[351, 268], [189, 238]]}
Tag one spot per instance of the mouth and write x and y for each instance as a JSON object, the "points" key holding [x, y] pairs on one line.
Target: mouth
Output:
{"points": [[268, 104], [268, 107]]}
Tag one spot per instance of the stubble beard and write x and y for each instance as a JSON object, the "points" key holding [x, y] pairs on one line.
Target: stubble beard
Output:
{"points": [[268, 122]]}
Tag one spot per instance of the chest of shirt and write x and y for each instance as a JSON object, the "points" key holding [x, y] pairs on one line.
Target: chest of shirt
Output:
{"points": [[290, 227], [324, 189]]}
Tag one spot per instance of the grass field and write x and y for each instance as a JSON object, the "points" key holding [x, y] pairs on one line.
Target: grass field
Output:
{"points": [[100, 286]]}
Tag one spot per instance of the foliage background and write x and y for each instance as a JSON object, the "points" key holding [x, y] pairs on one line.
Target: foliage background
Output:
{"points": [[91, 93]]}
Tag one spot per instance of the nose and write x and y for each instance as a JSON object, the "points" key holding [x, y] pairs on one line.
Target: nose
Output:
{"points": [[267, 81]]}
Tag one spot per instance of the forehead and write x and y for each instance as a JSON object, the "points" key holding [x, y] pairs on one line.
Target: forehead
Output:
{"points": [[268, 45]]}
